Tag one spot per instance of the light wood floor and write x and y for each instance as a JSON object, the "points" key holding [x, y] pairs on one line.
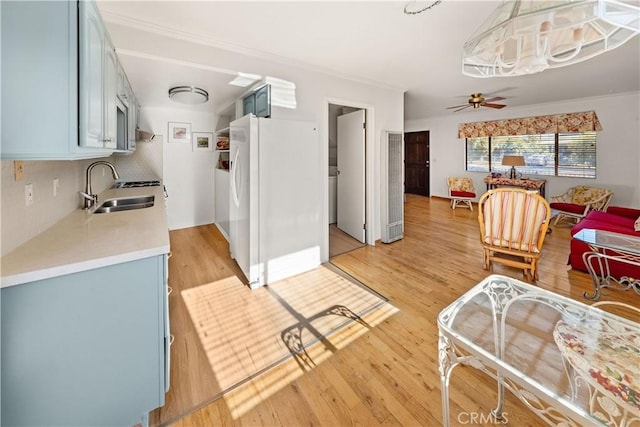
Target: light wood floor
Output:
{"points": [[340, 242], [390, 374]]}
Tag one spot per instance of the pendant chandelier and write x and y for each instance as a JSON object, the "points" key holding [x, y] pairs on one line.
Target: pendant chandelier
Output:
{"points": [[529, 36]]}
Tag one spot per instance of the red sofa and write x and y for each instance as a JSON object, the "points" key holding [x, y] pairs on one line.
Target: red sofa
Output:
{"points": [[615, 219]]}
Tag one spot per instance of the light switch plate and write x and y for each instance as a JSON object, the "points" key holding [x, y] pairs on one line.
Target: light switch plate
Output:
{"points": [[28, 194]]}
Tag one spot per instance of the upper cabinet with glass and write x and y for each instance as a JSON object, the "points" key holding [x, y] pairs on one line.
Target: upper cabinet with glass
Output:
{"points": [[59, 82]]}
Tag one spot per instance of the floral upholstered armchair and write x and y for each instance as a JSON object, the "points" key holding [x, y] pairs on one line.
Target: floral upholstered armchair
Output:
{"points": [[576, 203], [461, 190]]}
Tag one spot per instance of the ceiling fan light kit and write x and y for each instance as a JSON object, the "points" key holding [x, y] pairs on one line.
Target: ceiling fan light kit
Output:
{"points": [[528, 36], [477, 101]]}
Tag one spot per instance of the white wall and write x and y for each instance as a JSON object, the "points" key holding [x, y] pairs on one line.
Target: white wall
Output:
{"points": [[187, 175], [617, 150]]}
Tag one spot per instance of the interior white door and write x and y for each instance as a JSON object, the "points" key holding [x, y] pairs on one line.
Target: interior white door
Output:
{"points": [[351, 180]]}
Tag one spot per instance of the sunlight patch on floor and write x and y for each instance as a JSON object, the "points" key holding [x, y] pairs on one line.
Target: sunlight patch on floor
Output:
{"points": [[252, 393], [258, 341]]}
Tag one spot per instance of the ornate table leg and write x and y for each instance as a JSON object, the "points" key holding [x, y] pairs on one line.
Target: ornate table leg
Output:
{"points": [[605, 279], [499, 410], [446, 358], [598, 280]]}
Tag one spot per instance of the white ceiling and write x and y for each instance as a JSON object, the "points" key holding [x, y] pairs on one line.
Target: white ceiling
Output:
{"points": [[368, 41]]}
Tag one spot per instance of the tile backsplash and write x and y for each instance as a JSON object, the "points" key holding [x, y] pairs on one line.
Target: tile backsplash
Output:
{"points": [[20, 223]]}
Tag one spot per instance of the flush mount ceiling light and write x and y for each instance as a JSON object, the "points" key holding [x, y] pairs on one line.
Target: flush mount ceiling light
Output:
{"points": [[188, 95], [529, 36]]}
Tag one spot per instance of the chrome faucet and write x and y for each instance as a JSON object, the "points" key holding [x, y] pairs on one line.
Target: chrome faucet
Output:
{"points": [[89, 198]]}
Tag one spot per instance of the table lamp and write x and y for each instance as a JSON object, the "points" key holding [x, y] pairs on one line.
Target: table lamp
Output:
{"points": [[513, 161]]}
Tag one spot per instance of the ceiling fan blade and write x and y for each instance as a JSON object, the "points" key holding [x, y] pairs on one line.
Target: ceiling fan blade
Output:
{"points": [[457, 106], [495, 98], [484, 104], [460, 109]]}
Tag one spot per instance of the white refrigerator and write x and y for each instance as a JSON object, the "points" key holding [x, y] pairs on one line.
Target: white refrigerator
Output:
{"points": [[275, 206]]}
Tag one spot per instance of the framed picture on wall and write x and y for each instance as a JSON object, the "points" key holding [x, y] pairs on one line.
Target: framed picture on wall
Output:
{"points": [[202, 141], [179, 132]]}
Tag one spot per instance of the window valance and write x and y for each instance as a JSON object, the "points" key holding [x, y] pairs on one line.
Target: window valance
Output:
{"points": [[586, 121]]}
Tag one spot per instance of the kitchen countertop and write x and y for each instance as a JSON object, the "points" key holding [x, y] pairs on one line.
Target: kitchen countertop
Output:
{"points": [[83, 240]]}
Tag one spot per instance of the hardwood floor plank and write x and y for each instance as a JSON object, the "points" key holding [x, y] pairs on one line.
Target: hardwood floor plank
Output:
{"points": [[387, 376]]}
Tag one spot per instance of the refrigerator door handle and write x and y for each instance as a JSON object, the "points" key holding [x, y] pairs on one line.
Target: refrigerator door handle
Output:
{"points": [[234, 176]]}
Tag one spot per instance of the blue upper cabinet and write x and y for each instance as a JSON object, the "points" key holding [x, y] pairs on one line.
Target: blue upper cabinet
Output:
{"points": [[258, 102], [59, 81], [93, 78], [263, 101], [110, 88], [249, 104]]}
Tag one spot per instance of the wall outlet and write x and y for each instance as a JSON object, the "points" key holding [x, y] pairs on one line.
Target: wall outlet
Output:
{"points": [[28, 194], [18, 170], [56, 186]]}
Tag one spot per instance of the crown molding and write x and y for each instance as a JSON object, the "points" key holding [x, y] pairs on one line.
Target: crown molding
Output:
{"points": [[153, 28], [165, 59]]}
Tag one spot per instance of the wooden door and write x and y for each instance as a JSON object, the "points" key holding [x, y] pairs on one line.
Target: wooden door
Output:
{"points": [[416, 163]]}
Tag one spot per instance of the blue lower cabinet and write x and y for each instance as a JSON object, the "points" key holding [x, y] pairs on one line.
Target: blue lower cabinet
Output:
{"points": [[85, 349]]}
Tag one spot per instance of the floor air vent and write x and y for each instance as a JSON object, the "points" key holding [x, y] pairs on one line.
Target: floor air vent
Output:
{"points": [[394, 200]]}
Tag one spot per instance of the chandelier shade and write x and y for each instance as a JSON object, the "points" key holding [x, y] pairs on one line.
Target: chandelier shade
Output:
{"points": [[528, 36]]}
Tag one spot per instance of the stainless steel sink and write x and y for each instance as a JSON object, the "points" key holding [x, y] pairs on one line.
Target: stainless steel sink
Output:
{"points": [[125, 204]]}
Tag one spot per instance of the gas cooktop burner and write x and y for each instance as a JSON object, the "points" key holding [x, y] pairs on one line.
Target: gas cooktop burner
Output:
{"points": [[131, 184]]}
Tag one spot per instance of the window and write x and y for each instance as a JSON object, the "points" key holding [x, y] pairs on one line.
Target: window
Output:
{"points": [[560, 154]]}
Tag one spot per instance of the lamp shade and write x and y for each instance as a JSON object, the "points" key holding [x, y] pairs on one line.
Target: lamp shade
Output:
{"points": [[513, 161]]}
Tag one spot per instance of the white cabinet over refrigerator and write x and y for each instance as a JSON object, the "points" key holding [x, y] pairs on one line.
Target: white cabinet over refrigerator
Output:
{"points": [[275, 201]]}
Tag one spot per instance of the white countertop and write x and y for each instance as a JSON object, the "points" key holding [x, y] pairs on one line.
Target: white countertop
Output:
{"points": [[83, 240]]}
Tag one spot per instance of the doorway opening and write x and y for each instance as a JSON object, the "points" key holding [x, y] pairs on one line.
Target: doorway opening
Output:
{"points": [[347, 178]]}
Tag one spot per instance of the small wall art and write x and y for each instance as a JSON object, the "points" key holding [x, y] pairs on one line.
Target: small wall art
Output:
{"points": [[179, 132], [202, 141]]}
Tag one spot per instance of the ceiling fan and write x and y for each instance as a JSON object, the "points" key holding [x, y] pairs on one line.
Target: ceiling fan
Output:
{"points": [[477, 101]]}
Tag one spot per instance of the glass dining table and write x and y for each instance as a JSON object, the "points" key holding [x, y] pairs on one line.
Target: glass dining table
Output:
{"points": [[570, 363], [606, 247]]}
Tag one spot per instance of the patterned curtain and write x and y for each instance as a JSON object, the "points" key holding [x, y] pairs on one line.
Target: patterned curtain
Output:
{"points": [[586, 121]]}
